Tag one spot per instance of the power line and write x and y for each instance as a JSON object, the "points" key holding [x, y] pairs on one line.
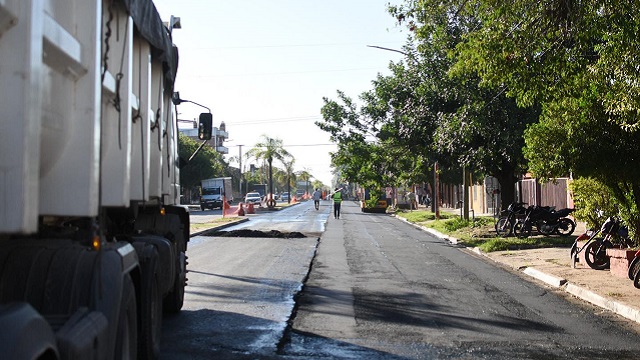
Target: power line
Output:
{"points": [[274, 120], [285, 46], [293, 145], [278, 73], [297, 145]]}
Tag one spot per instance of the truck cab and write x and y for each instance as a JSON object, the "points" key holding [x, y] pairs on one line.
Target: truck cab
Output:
{"points": [[211, 198], [215, 192]]}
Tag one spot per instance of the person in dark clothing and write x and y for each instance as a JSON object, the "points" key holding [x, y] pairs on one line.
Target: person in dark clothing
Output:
{"points": [[317, 195]]}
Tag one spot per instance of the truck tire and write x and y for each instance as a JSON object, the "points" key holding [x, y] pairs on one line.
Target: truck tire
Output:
{"points": [[150, 306], [127, 334], [174, 300]]}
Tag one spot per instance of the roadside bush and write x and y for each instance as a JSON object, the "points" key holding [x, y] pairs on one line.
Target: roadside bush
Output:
{"points": [[458, 223], [372, 202], [418, 216], [589, 197]]}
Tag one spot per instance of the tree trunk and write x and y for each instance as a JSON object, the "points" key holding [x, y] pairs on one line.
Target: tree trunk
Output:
{"points": [[507, 181], [270, 179], [634, 217]]}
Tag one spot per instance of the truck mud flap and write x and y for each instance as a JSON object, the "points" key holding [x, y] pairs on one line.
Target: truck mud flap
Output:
{"points": [[59, 276], [25, 334], [84, 335]]}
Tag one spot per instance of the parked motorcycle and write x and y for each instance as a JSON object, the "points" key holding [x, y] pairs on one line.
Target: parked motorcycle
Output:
{"points": [[508, 218], [615, 234], [547, 221], [634, 270]]}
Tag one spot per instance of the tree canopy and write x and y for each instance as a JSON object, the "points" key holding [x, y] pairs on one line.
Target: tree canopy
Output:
{"points": [[575, 60], [205, 165], [424, 112]]}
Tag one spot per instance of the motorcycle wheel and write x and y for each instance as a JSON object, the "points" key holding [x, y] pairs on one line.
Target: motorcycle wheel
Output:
{"points": [[574, 255], [596, 255], [503, 227], [634, 266], [521, 230], [565, 227], [636, 280]]}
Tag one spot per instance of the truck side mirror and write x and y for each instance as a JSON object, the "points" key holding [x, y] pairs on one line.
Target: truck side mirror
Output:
{"points": [[205, 126]]}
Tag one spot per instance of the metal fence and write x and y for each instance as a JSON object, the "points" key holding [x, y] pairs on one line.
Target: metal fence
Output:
{"points": [[553, 193]]}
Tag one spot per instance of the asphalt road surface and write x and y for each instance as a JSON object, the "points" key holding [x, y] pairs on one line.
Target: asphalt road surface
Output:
{"points": [[240, 291], [377, 288]]}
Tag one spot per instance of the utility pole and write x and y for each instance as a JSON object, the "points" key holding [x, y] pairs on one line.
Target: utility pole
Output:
{"points": [[240, 168], [436, 195], [466, 198]]}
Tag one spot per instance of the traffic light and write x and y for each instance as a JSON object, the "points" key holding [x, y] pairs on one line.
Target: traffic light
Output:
{"points": [[205, 126]]}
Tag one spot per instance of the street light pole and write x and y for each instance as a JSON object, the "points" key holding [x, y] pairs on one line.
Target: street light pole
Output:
{"points": [[240, 168], [388, 49], [176, 100]]}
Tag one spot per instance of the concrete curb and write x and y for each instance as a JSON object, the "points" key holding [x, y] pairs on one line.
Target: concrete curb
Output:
{"points": [[433, 232], [621, 309], [549, 279]]}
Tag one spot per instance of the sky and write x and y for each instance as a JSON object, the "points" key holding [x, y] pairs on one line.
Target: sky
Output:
{"points": [[264, 67]]}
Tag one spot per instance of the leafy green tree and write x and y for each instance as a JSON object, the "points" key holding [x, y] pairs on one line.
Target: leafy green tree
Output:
{"points": [[361, 157], [575, 59], [206, 164], [269, 149], [421, 114]]}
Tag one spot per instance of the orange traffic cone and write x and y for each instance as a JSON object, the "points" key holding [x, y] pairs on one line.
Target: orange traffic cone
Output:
{"points": [[295, 200], [240, 210], [250, 209], [225, 206]]}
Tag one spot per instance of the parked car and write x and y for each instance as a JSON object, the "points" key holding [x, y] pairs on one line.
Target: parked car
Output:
{"points": [[253, 198], [284, 196]]}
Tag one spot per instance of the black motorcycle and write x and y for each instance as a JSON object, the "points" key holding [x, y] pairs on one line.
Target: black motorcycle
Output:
{"points": [[508, 218], [595, 248], [547, 221]]}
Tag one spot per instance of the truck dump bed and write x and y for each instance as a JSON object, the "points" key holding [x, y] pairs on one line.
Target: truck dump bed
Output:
{"points": [[66, 146]]}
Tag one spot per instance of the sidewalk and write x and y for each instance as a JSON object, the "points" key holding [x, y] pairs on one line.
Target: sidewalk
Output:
{"points": [[553, 267]]}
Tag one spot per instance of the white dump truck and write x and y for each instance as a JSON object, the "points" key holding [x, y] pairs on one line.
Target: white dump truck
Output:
{"points": [[92, 239], [214, 192]]}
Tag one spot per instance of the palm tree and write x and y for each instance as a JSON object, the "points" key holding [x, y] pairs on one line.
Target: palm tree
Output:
{"points": [[288, 168], [317, 184], [269, 149], [279, 178], [305, 176]]}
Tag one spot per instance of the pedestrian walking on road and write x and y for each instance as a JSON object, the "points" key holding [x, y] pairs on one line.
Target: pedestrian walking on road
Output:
{"points": [[317, 195], [337, 201]]}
